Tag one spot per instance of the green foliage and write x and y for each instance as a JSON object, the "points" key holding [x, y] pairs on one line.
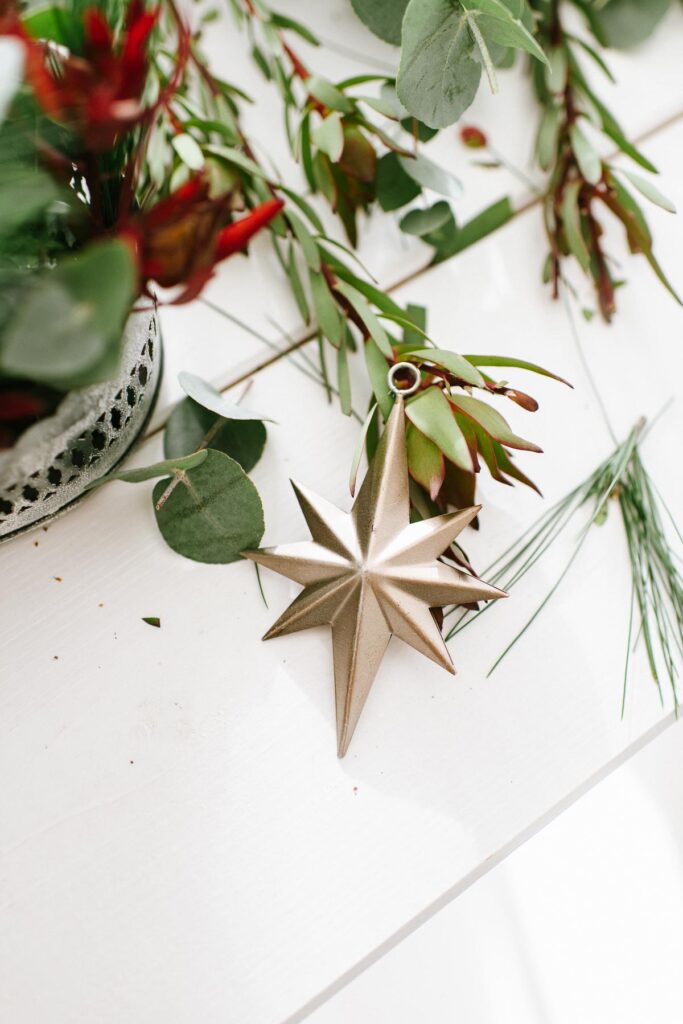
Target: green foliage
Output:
{"points": [[192, 426], [395, 187], [383, 17], [625, 23], [580, 181], [657, 584], [210, 513], [67, 326], [445, 44]]}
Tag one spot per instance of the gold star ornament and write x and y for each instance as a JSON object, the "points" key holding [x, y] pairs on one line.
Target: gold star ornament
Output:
{"points": [[371, 574]]}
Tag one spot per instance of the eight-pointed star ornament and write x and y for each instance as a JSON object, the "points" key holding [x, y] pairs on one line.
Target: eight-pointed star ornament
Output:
{"points": [[371, 574]]}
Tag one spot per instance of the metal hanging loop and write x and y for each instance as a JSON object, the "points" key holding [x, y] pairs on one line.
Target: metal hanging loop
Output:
{"points": [[403, 368]]}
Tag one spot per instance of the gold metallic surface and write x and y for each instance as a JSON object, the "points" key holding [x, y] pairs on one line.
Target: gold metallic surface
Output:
{"points": [[372, 574]]}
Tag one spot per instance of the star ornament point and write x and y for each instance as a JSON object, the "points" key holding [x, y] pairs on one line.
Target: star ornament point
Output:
{"points": [[371, 574]]}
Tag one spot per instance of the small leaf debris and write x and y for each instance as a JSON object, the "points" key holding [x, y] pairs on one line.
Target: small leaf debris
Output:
{"points": [[152, 620]]}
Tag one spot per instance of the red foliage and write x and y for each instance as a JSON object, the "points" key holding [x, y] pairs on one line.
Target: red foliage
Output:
{"points": [[182, 238], [99, 94]]}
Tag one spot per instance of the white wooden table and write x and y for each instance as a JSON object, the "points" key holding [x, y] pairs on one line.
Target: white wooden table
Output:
{"points": [[178, 841]]}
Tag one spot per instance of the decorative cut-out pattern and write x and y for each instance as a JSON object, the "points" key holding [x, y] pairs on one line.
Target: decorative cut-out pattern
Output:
{"points": [[54, 461]]}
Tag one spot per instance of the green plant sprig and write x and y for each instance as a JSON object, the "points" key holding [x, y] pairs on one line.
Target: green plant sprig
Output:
{"points": [[580, 181], [656, 577]]}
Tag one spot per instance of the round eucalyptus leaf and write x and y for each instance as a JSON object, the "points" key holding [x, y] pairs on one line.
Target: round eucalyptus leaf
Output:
{"points": [[210, 513], [383, 17], [67, 330], [190, 425], [624, 23]]}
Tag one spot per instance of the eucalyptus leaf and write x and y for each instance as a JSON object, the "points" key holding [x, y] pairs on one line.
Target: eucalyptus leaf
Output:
{"points": [[191, 426], [211, 513], [424, 171], [421, 222], [383, 17], [439, 73], [25, 193], [394, 187], [209, 398], [625, 23], [444, 44], [497, 22], [67, 329]]}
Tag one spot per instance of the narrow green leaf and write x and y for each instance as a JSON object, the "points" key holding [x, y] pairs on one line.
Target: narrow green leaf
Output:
{"points": [[237, 159], [188, 150], [431, 413], [297, 286], [520, 364], [451, 361], [588, 160], [165, 468], [329, 136], [377, 332], [327, 314], [425, 461], [490, 420], [305, 240], [360, 444], [647, 189], [344, 381], [282, 21], [329, 95], [571, 221], [377, 372]]}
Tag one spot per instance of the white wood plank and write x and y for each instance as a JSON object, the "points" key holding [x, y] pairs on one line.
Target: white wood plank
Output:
{"points": [[178, 839], [583, 922]]}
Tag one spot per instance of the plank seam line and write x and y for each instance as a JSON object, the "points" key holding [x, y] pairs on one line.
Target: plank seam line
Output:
{"points": [[446, 898]]}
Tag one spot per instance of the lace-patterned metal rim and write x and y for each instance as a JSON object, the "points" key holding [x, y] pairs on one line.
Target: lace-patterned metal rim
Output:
{"points": [[54, 461]]}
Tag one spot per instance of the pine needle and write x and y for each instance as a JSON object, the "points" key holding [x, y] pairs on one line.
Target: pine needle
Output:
{"points": [[657, 594]]}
